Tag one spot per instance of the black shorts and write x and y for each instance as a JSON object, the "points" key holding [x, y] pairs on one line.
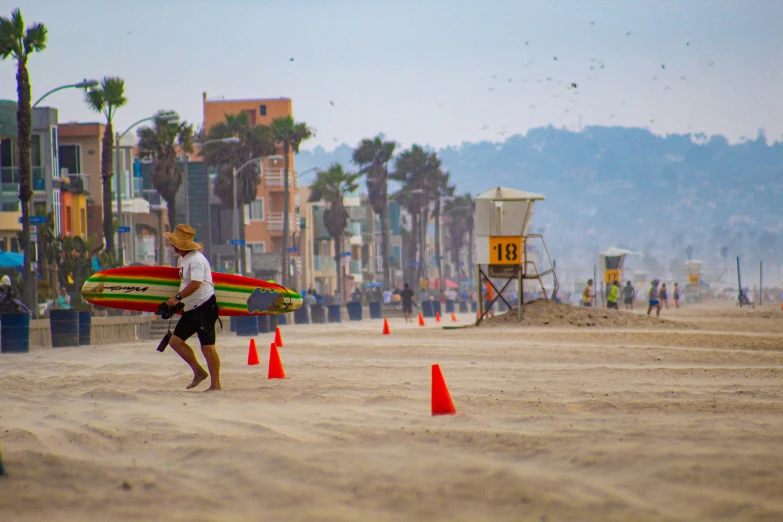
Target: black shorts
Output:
{"points": [[201, 321], [628, 300], [611, 304], [407, 308]]}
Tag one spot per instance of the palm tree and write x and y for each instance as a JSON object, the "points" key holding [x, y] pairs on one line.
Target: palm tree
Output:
{"points": [[331, 186], [290, 135], [159, 143], [372, 157], [444, 190], [458, 216], [106, 99], [255, 141], [421, 176], [19, 43]]}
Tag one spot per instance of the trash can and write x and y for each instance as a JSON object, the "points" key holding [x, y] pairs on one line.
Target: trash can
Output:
{"points": [[463, 307], [318, 314], [232, 323], [449, 306], [247, 325], [436, 308], [375, 310], [473, 306], [427, 310], [64, 325], [333, 314], [301, 316], [282, 319], [273, 322], [354, 311], [15, 333], [263, 324], [85, 328]]}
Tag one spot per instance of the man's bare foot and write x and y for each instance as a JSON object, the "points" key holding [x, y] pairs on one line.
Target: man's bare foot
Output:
{"points": [[197, 378], [213, 388]]}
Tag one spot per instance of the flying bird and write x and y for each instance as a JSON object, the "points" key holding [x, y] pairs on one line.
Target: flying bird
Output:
{"points": [[290, 59], [331, 103], [628, 33], [574, 85]]}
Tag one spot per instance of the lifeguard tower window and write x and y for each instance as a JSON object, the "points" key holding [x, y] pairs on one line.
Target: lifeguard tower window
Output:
{"points": [[613, 262], [262, 110]]}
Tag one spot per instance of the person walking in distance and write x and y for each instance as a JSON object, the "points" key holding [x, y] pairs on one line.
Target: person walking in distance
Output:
{"points": [[587, 294], [663, 296], [611, 298], [406, 296], [654, 301], [676, 295], [197, 293], [629, 293]]}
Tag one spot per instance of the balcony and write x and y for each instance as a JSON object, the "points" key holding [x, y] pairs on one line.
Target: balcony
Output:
{"points": [[324, 264], [11, 175], [355, 267], [274, 179], [274, 223], [155, 200]]}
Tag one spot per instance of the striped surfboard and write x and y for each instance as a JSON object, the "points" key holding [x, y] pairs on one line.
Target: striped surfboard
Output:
{"points": [[143, 288]]}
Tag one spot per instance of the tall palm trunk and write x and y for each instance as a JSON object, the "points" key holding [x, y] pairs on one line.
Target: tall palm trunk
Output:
{"points": [[410, 251], [423, 243], [286, 210], [24, 119], [469, 263], [338, 247], [107, 160], [385, 246], [438, 257]]}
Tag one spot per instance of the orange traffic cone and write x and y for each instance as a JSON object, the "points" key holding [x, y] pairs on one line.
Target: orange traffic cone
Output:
{"points": [[421, 320], [453, 318], [252, 354], [278, 337], [441, 399], [437, 317], [276, 370], [386, 327]]}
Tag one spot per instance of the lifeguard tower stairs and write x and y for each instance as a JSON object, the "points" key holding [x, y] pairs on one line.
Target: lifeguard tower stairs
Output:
{"points": [[504, 246]]}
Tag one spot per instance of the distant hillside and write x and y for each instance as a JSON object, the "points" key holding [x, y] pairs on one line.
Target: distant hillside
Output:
{"points": [[628, 187]]}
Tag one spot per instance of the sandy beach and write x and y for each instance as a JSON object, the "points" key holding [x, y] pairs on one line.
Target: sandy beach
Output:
{"points": [[678, 422]]}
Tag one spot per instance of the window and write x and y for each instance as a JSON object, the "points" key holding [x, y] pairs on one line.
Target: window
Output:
{"points": [[251, 116], [262, 110], [256, 209], [35, 152], [67, 227], [258, 247], [71, 158]]}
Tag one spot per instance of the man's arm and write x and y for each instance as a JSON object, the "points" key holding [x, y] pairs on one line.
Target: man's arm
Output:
{"points": [[187, 291]]}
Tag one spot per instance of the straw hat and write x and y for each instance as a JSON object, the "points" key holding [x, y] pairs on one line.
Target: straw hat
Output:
{"points": [[182, 238]]}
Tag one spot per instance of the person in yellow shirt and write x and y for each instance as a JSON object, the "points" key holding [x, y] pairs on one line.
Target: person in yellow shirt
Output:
{"points": [[587, 294], [611, 297]]}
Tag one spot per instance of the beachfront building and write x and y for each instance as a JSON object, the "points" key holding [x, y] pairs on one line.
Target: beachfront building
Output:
{"points": [[262, 229], [80, 154]]}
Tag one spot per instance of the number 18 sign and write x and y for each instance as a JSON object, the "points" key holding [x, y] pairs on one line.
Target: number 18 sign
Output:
{"points": [[505, 250]]}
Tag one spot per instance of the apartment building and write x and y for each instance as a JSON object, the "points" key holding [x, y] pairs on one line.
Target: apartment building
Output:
{"points": [[80, 153], [262, 229], [45, 174]]}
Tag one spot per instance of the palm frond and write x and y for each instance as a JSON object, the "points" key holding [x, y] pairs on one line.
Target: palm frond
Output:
{"points": [[10, 42], [95, 100], [35, 38]]}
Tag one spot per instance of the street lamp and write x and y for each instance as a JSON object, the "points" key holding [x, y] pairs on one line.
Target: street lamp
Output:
{"points": [[86, 84], [236, 218], [172, 118]]}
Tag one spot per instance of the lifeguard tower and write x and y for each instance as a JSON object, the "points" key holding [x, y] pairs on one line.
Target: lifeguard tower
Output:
{"points": [[501, 223], [610, 263], [693, 289]]}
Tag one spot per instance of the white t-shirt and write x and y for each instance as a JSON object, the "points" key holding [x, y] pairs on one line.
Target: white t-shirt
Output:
{"points": [[387, 295], [195, 267]]}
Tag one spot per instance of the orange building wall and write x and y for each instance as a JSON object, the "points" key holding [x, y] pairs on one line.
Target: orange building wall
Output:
{"points": [[214, 112]]}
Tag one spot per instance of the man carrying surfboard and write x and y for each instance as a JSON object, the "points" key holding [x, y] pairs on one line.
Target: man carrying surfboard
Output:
{"points": [[197, 293]]}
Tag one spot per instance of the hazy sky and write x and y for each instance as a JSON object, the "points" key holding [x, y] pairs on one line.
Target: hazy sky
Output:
{"points": [[432, 72]]}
